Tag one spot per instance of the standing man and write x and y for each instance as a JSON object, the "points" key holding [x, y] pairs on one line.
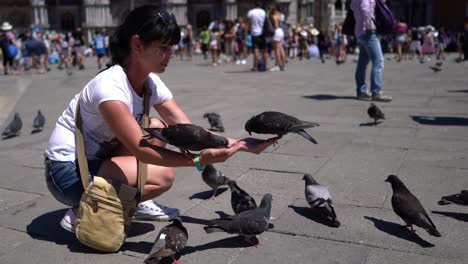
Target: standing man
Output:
{"points": [[99, 43], [369, 49], [79, 46], [257, 17]]}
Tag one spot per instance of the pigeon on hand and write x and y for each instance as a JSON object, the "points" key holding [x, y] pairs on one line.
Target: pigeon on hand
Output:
{"points": [[214, 178], [271, 122], [247, 224], [187, 137], [374, 112], [240, 200], [215, 121], [169, 243], [408, 207], [435, 69], [14, 128], [38, 122], [439, 63], [318, 197]]}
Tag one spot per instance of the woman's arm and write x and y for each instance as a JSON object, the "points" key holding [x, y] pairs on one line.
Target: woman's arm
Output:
{"points": [[171, 113]]}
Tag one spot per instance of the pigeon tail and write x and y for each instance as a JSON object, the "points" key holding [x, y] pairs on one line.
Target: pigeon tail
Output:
{"points": [[304, 134], [303, 125], [433, 232], [155, 133]]}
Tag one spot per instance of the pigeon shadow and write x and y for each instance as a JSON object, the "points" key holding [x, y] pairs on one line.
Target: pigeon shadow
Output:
{"points": [[458, 216], [370, 124], [47, 227], [244, 71], [326, 97], [399, 231], [8, 137], [441, 120], [34, 131], [206, 195], [230, 242], [140, 228], [312, 214], [457, 91], [222, 214], [194, 220]]}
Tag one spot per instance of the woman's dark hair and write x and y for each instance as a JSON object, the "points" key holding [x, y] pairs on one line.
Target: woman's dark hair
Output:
{"points": [[150, 23]]}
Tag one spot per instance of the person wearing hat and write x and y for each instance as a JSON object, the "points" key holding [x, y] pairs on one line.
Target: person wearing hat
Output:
{"points": [[428, 47], [8, 46], [369, 50]]}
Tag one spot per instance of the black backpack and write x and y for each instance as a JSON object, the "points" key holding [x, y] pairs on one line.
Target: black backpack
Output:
{"points": [[268, 29]]}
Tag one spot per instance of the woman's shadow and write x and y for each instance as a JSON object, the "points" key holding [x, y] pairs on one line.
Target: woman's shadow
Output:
{"points": [[399, 231], [47, 227]]}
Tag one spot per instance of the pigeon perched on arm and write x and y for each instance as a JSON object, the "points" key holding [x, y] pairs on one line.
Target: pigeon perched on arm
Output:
{"points": [[247, 224], [408, 207], [38, 122], [169, 243], [14, 128], [271, 122], [374, 112], [240, 200], [214, 178], [318, 197], [215, 121], [187, 137]]}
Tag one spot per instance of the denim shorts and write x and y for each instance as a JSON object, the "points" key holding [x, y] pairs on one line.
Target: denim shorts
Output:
{"points": [[64, 181]]}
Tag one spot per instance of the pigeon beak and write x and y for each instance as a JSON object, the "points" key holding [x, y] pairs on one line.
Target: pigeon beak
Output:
{"points": [[386, 180]]}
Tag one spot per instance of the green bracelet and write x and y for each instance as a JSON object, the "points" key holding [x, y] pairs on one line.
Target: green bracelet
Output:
{"points": [[196, 160]]}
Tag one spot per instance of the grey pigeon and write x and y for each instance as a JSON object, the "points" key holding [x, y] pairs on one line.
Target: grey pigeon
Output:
{"points": [[439, 63], [187, 137], [214, 178], [215, 121], [374, 112], [39, 121], [240, 200], [271, 122], [247, 224], [14, 128], [318, 197], [435, 69], [408, 207], [169, 243]]}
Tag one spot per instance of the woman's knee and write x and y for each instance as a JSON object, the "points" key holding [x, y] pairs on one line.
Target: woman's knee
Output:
{"points": [[167, 179], [156, 123]]}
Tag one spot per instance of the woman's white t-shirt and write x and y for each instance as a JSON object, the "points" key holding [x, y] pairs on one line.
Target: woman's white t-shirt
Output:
{"points": [[111, 84]]}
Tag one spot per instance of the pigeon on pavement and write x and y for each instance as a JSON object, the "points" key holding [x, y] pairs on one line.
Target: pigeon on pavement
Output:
{"points": [[215, 121], [435, 69], [271, 122], [408, 207], [247, 224], [374, 112], [169, 243], [214, 178], [318, 197], [240, 200], [14, 128], [439, 63], [187, 137], [38, 122], [458, 198]]}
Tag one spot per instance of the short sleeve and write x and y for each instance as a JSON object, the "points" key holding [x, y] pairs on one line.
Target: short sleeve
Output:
{"points": [[103, 89], [160, 92]]}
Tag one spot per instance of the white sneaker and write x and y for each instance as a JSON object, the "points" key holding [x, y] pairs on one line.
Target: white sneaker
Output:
{"points": [[69, 221], [243, 62], [238, 62], [150, 210], [276, 68]]}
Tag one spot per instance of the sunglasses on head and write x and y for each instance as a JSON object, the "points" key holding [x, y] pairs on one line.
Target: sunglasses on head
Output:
{"points": [[167, 18]]}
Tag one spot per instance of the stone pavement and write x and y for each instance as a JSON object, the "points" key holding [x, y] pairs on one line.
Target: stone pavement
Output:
{"points": [[424, 140]]}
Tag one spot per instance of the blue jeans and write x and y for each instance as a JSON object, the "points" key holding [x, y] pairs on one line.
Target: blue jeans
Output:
{"points": [[369, 49], [64, 181]]}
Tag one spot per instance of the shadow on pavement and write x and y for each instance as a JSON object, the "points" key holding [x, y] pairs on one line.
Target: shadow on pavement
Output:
{"points": [[457, 91], [47, 227], [399, 231], [324, 97], [441, 120], [193, 220], [370, 123], [312, 214], [205, 195], [230, 242], [458, 216]]}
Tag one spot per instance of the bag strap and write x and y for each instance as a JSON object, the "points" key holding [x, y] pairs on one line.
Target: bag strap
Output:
{"points": [[142, 168]]}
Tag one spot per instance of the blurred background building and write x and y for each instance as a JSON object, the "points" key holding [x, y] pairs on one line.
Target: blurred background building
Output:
{"points": [[66, 15]]}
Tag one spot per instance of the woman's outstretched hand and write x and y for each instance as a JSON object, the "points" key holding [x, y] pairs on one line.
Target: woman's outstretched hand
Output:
{"points": [[257, 146]]}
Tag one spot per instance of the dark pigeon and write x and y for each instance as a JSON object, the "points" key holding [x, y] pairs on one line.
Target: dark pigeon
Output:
{"points": [[458, 198], [215, 121], [169, 243], [318, 197], [408, 207], [39, 121], [435, 69], [187, 137], [214, 178], [240, 200], [439, 64], [271, 122], [247, 224], [374, 112], [14, 128]]}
